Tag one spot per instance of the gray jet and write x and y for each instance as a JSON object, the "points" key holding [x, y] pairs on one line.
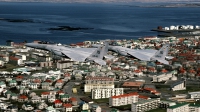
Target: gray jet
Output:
{"points": [[142, 54], [76, 54]]}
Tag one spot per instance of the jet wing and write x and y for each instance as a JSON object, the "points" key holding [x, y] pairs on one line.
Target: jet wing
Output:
{"points": [[78, 54], [140, 56]]}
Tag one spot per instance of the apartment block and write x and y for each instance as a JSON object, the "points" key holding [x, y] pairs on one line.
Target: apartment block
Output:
{"points": [[180, 85], [123, 99], [98, 83], [181, 107], [145, 105], [106, 93]]}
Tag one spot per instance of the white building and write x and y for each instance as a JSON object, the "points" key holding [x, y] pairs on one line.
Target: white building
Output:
{"points": [[106, 93], [181, 85], [20, 56], [98, 83], [145, 105], [194, 95], [123, 99], [181, 107], [162, 77], [194, 107]]}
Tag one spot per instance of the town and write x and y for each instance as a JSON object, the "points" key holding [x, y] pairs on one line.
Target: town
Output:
{"points": [[38, 81]]}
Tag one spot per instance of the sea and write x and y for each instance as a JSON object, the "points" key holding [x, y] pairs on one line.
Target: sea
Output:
{"points": [[104, 20]]}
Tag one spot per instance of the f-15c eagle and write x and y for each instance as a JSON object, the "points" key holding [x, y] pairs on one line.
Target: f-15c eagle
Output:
{"points": [[142, 54], [76, 54]]}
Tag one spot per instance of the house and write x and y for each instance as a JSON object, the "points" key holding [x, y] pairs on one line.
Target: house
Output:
{"points": [[64, 98], [32, 86], [61, 92], [73, 101], [51, 109], [25, 82], [12, 83], [44, 95], [12, 108], [45, 85], [22, 98], [19, 78], [68, 107], [42, 105], [58, 103], [32, 94], [14, 96], [2, 86], [35, 99], [138, 73], [59, 84], [27, 107], [3, 106], [85, 106], [51, 98], [95, 108]]}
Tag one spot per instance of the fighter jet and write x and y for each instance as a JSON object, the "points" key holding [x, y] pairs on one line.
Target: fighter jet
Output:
{"points": [[143, 54], [76, 54]]}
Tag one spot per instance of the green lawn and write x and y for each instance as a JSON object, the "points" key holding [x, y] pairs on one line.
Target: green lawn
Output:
{"points": [[104, 100], [9, 67], [38, 92]]}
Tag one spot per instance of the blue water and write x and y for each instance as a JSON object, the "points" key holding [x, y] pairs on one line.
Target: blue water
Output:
{"points": [[110, 21]]}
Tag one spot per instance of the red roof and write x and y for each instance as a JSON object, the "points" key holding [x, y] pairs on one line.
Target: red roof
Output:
{"points": [[57, 101], [13, 58], [23, 97], [45, 93], [37, 81], [73, 99], [59, 81], [143, 97], [137, 71], [150, 89], [48, 80], [67, 105], [59, 92], [125, 95], [19, 77]]}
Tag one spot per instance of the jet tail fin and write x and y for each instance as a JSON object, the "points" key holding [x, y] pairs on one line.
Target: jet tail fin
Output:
{"points": [[161, 54], [101, 51]]}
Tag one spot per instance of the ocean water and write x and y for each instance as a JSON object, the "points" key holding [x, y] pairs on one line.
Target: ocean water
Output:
{"points": [[109, 21]]}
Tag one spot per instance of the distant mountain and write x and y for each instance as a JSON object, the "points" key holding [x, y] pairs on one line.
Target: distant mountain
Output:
{"points": [[99, 1]]}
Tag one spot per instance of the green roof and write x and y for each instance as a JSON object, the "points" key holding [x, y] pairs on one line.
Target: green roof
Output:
{"points": [[194, 105], [64, 96], [178, 105]]}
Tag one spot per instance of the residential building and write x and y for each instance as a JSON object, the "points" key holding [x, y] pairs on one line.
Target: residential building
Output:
{"points": [[123, 99], [68, 107], [194, 95], [136, 84], [145, 105], [85, 106], [180, 85], [64, 64], [98, 83], [106, 93], [162, 77], [181, 107], [193, 107]]}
